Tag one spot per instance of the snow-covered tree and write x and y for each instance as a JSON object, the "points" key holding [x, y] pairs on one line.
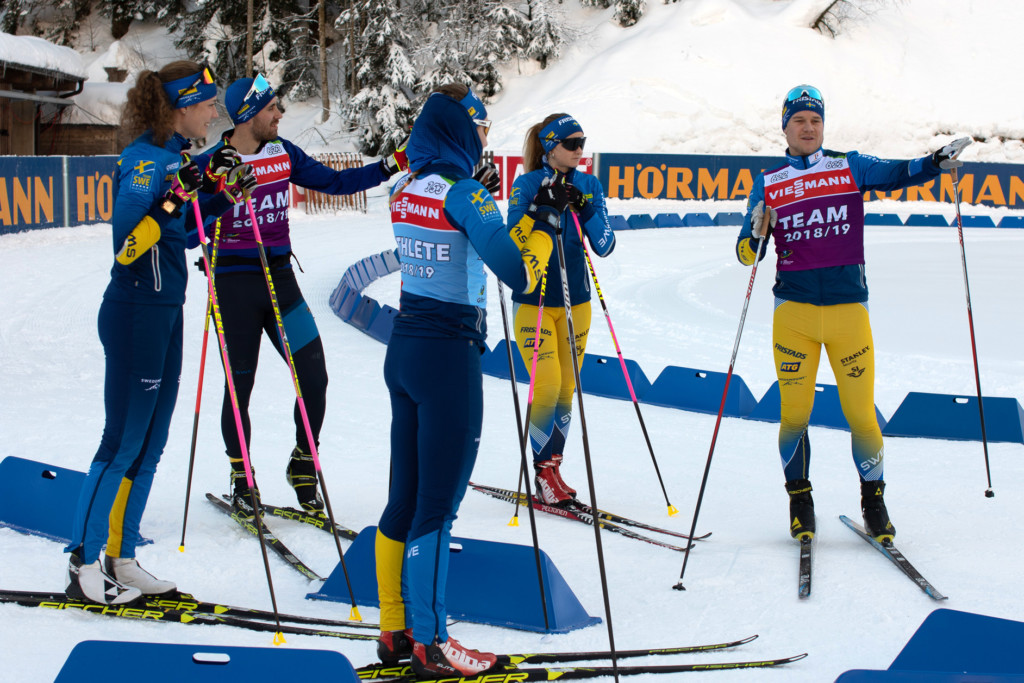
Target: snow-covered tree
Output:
{"points": [[545, 33], [628, 12], [380, 108]]}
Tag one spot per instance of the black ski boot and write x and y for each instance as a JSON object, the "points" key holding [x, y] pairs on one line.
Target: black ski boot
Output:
{"points": [[301, 475], [876, 517], [394, 646], [801, 509], [241, 500]]}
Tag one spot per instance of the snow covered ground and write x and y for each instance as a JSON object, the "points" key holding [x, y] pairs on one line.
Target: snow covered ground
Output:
{"points": [[675, 297]]}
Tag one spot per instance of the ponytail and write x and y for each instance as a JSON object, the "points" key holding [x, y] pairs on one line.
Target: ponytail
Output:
{"points": [[533, 151], [148, 106]]}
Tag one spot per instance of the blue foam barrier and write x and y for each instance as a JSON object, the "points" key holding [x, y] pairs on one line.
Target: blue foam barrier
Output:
{"points": [[641, 221], [40, 499], [974, 221], [956, 417], [926, 220], [356, 277], [700, 391], [391, 261], [495, 363], [340, 293], [172, 663], [697, 220], [475, 568], [376, 261], [383, 323], [874, 676], [1011, 222], [364, 313], [602, 376], [366, 275], [619, 223], [963, 642], [344, 300], [728, 218], [827, 411], [882, 219], [668, 220]]}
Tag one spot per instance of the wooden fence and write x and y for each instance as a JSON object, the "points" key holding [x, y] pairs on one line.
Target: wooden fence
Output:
{"points": [[318, 202]]}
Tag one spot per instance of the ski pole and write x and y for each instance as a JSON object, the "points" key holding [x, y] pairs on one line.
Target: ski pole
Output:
{"points": [[989, 493], [219, 326], [672, 511], [522, 450], [354, 614], [586, 442], [199, 400], [725, 392]]}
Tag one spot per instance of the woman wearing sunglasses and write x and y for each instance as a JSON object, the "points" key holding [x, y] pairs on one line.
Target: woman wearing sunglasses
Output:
{"points": [[140, 326], [447, 227], [556, 144], [815, 209]]}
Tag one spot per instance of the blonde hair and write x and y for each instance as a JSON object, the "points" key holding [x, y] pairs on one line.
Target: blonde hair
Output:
{"points": [[533, 151], [148, 106]]}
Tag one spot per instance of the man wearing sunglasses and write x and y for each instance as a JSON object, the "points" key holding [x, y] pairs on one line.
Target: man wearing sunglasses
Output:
{"points": [[814, 207], [241, 287]]}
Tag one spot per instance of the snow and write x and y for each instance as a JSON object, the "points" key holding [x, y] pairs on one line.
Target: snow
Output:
{"points": [[41, 54], [915, 74]]}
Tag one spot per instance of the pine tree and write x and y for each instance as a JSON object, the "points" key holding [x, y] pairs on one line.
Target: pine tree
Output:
{"points": [[545, 34], [628, 12], [381, 107]]}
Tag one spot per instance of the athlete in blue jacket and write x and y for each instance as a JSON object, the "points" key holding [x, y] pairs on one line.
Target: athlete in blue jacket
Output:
{"points": [[815, 209], [447, 227], [241, 284], [556, 145], [140, 326]]}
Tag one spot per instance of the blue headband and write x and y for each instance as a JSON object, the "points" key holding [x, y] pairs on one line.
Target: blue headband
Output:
{"points": [[190, 90], [241, 108], [473, 105], [558, 130]]}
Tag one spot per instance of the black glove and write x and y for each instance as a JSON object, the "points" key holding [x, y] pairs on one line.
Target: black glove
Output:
{"points": [[183, 188], [947, 157], [223, 160], [551, 201], [240, 182], [579, 203], [487, 175]]}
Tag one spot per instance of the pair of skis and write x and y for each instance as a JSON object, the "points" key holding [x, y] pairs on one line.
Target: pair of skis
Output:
{"points": [[581, 512], [886, 548], [185, 609], [320, 521]]}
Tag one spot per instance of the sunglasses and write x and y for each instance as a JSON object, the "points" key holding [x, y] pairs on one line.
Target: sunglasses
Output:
{"points": [[259, 86], [573, 144], [483, 123], [804, 91], [205, 75]]}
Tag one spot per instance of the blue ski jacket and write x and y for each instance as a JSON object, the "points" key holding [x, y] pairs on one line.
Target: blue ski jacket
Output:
{"points": [[596, 228]]}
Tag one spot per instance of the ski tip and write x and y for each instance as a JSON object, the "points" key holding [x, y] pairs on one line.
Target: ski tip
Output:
{"points": [[672, 510]]}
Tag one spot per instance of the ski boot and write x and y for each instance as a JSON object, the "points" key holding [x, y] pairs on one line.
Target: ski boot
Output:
{"points": [[876, 517], [301, 475], [90, 583], [550, 487], [449, 659], [241, 501], [128, 572], [801, 509], [394, 646]]}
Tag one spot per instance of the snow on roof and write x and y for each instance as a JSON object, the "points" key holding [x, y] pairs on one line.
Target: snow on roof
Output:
{"points": [[37, 53]]}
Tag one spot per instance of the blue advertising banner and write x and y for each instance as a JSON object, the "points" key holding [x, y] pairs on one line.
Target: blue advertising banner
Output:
{"points": [[90, 189], [707, 176], [31, 193]]}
